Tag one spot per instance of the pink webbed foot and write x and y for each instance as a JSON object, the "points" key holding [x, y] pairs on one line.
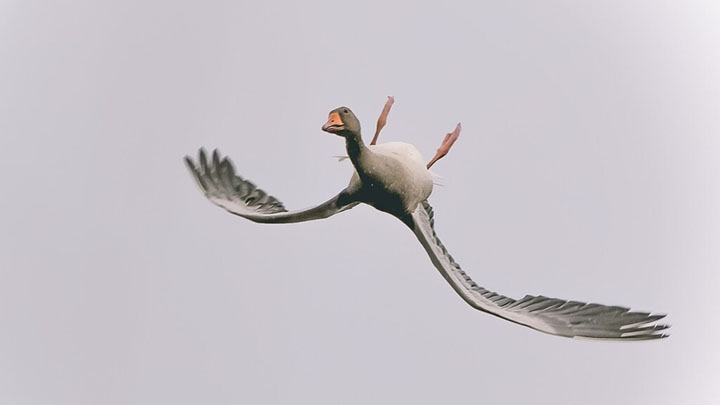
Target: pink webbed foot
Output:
{"points": [[447, 143], [382, 119]]}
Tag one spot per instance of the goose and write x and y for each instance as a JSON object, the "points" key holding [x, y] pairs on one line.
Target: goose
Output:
{"points": [[393, 178]]}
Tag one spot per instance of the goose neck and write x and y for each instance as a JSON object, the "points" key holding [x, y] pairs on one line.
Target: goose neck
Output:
{"points": [[356, 149]]}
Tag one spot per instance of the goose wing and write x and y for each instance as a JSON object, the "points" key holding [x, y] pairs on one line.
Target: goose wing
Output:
{"points": [[217, 180], [549, 315]]}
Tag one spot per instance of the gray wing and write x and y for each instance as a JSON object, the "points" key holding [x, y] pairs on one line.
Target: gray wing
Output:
{"points": [[549, 315], [218, 181]]}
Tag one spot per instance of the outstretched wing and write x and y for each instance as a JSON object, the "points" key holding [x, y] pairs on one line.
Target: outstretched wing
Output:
{"points": [[549, 315], [217, 179]]}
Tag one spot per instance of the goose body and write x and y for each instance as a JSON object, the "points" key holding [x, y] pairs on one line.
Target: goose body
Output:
{"points": [[392, 178]]}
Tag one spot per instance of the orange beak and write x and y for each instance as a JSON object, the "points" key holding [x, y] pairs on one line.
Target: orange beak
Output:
{"points": [[334, 123]]}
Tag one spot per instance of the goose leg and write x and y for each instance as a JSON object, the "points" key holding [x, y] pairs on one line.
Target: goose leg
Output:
{"points": [[447, 143], [382, 119]]}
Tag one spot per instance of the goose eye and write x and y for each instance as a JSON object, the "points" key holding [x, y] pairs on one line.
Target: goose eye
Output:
{"points": [[345, 111]]}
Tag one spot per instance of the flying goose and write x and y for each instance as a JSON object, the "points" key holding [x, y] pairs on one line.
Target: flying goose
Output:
{"points": [[393, 178]]}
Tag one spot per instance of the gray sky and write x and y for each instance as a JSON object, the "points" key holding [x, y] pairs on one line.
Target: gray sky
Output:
{"points": [[587, 169]]}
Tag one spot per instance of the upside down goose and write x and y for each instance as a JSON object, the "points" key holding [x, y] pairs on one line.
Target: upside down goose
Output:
{"points": [[393, 178]]}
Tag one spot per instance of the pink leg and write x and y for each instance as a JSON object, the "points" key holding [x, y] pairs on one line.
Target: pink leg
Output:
{"points": [[447, 143], [382, 119]]}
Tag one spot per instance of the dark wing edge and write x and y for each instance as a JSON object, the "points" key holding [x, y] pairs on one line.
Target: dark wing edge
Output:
{"points": [[217, 179], [550, 315]]}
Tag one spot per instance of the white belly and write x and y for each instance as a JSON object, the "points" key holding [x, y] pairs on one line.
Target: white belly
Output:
{"points": [[403, 151], [412, 180]]}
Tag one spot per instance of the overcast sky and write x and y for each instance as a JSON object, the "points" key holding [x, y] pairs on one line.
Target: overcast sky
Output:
{"points": [[588, 168]]}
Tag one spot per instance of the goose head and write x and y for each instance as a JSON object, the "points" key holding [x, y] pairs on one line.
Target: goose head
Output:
{"points": [[342, 122]]}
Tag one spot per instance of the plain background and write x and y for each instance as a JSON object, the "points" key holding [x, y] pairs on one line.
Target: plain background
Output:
{"points": [[587, 169]]}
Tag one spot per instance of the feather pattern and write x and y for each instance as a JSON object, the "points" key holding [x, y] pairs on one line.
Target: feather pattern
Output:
{"points": [[217, 179], [549, 315]]}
